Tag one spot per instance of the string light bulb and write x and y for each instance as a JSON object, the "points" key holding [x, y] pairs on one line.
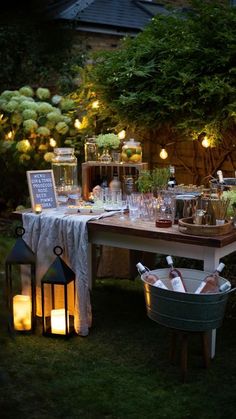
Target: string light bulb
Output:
{"points": [[9, 135], [205, 142], [163, 154], [52, 142], [77, 124], [95, 104], [121, 135]]}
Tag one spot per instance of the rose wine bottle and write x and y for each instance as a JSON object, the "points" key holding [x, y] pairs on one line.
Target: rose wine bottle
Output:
{"points": [[210, 284], [175, 276], [149, 277]]}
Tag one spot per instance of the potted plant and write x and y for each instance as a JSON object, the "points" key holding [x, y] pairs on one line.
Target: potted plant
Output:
{"points": [[107, 142], [153, 180]]}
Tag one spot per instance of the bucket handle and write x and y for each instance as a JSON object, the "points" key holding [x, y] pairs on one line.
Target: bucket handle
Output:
{"points": [[231, 290]]}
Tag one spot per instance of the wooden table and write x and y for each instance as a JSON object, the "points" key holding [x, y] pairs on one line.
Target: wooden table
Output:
{"points": [[144, 236]]}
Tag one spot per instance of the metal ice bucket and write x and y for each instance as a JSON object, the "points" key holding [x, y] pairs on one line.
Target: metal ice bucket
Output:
{"points": [[186, 311], [185, 205]]}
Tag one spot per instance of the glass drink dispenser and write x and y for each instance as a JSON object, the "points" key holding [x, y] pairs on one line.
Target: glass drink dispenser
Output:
{"points": [[64, 166]]}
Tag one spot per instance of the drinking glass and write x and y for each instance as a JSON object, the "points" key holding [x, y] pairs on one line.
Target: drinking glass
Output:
{"points": [[123, 206], [134, 205]]}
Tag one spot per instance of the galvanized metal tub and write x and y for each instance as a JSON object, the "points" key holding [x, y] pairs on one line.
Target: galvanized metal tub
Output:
{"points": [[186, 311]]}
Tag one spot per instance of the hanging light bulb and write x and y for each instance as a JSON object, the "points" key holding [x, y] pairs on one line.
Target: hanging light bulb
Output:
{"points": [[52, 142], [163, 154], [9, 135], [121, 134], [95, 104], [205, 142], [77, 124]]}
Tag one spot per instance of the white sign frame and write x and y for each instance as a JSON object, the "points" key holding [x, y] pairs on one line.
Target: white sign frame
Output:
{"points": [[42, 188]]}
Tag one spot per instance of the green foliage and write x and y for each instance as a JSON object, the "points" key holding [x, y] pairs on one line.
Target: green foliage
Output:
{"points": [[179, 72], [107, 141], [151, 180], [32, 123]]}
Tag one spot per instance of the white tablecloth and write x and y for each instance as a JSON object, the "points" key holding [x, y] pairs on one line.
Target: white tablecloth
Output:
{"points": [[57, 228]]}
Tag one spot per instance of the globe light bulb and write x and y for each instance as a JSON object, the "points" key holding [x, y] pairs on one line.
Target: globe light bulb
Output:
{"points": [[95, 104], [163, 154], [205, 142], [9, 135], [77, 124], [121, 134], [52, 142]]}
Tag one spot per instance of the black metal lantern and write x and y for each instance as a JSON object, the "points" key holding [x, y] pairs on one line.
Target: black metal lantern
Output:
{"points": [[21, 306], [58, 298]]}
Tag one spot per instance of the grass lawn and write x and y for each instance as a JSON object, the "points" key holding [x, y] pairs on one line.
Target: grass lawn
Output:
{"points": [[121, 370]]}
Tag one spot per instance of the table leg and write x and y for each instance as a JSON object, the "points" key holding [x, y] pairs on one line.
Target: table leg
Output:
{"points": [[211, 261]]}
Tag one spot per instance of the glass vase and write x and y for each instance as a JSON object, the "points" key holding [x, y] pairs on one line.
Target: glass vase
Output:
{"points": [[105, 157]]}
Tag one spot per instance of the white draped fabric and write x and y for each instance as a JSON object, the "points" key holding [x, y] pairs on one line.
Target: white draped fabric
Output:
{"points": [[56, 228]]}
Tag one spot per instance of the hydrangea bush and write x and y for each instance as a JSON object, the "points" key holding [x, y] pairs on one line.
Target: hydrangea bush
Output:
{"points": [[32, 123]]}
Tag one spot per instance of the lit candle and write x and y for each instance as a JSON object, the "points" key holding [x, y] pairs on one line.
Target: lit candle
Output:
{"points": [[38, 208], [58, 324], [22, 312]]}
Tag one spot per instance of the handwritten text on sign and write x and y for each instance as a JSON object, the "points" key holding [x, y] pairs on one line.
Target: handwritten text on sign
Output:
{"points": [[42, 188]]}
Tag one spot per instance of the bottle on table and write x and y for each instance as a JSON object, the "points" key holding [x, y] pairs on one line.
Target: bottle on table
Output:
{"points": [[115, 184], [175, 277], [220, 177], [172, 180], [150, 277], [210, 284]]}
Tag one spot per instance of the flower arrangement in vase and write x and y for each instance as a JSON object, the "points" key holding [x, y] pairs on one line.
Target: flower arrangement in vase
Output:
{"points": [[107, 142]]}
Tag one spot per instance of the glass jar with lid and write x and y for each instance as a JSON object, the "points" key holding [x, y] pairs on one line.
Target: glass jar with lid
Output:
{"points": [[64, 166], [131, 152], [91, 149]]}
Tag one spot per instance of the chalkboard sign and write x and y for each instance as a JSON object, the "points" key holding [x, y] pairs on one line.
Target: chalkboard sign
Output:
{"points": [[42, 188]]}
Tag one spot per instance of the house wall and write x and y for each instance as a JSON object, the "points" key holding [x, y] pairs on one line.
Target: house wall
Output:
{"points": [[95, 41]]}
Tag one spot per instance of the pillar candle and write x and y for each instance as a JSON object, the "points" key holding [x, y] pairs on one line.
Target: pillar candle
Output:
{"points": [[58, 325], [22, 312]]}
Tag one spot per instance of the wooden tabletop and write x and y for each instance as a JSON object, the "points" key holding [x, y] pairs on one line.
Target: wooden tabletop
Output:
{"points": [[148, 229]]}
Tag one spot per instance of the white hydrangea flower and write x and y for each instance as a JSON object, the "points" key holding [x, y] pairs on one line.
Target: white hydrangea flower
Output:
{"points": [[54, 116], [67, 104], [43, 93], [62, 128], [30, 125], [26, 91], [44, 131], [10, 106], [8, 94], [23, 146], [48, 157], [29, 114], [56, 99], [27, 104], [44, 108], [16, 118]]}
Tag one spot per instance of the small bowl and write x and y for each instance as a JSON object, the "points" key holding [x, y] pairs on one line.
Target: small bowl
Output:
{"points": [[162, 223]]}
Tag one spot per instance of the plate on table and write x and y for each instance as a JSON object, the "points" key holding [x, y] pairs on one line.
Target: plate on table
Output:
{"points": [[112, 208]]}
